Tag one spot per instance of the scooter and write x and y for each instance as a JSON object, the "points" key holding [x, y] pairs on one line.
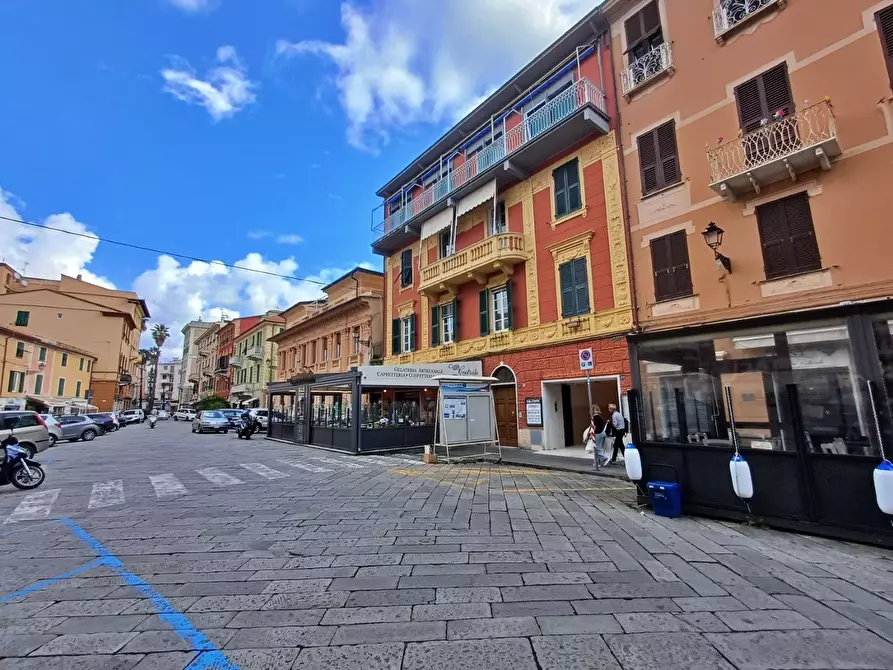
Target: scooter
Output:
{"points": [[152, 421], [18, 468], [247, 428]]}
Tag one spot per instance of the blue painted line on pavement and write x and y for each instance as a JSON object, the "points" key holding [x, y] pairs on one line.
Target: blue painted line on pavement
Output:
{"points": [[43, 583], [214, 658]]}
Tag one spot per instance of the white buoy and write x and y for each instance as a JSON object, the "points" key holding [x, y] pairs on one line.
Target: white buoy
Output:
{"points": [[633, 461], [742, 482], [883, 486]]}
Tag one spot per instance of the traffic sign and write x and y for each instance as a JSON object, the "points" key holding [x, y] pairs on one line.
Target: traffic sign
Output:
{"points": [[586, 360]]}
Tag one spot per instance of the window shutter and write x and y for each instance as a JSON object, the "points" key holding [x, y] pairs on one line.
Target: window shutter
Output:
{"points": [[395, 336], [484, 313], [668, 154], [677, 246], [798, 218], [751, 108], [773, 236], [762, 96], [560, 182], [572, 177], [406, 267], [660, 262], [648, 162], [413, 342], [650, 18], [456, 320], [510, 316], [884, 20], [634, 30], [581, 286], [566, 277], [435, 325], [777, 90]]}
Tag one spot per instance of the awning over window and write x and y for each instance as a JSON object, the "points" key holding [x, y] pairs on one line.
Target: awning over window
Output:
{"points": [[477, 197], [437, 223]]}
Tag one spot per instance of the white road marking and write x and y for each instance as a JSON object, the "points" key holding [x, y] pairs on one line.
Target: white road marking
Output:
{"points": [[335, 461], [387, 462], [219, 477], [167, 485], [107, 493], [34, 506], [264, 471], [302, 466]]}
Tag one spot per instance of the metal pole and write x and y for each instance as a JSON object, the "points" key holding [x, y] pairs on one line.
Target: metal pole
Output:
{"points": [[595, 455]]}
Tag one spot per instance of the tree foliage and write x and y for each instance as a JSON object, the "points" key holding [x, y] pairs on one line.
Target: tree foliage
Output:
{"points": [[212, 402]]}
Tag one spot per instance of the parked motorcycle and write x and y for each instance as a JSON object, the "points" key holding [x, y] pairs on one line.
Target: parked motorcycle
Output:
{"points": [[152, 421], [18, 468], [247, 428]]}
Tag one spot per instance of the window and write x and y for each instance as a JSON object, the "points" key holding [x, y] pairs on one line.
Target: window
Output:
{"points": [[77, 390], [60, 391], [42, 355], [498, 224], [443, 323], [760, 98], [406, 268], [659, 158], [444, 243], [16, 382], [64, 362], [574, 280], [788, 237], [38, 384], [567, 188], [496, 310], [356, 340], [20, 349], [500, 307], [81, 365], [403, 335], [325, 348], [338, 345], [406, 334], [643, 32], [884, 20], [669, 261], [22, 318]]}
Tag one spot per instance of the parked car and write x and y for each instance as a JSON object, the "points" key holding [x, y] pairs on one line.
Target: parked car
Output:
{"points": [[29, 429], [184, 415], [163, 415], [234, 416], [78, 427], [107, 423], [210, 420], [133, 415], [55, 430], [262, 416]]}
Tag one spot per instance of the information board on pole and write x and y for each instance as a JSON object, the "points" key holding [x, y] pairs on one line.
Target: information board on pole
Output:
{"points": [[586, 361]]}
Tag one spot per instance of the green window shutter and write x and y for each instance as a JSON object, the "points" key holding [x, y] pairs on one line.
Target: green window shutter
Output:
{"points": [[456, 320], [581, 285], [566, 277], [485, 312], [511, 308], [77, 390], [395, 337], [10, 387], [38, 384], [435, 325], [412, 333], [560, 186], [61, 390], [21, 388], [572, 176]]}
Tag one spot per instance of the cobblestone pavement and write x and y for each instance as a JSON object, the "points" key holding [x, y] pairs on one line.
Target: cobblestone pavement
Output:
{"points": [[163, 549]]}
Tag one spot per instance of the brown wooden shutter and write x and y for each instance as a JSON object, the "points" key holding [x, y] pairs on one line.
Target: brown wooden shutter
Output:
{"points": [[759, 98], [798, 218], [648, 162], [668, 153], [660, 262], [788, 237], [634, 31], [641, 24], [884, 20], [777, 90], [678, 248], [773, 234]]}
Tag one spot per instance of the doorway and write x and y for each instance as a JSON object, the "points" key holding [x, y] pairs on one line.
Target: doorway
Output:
{"points": [[505, 401], [566, 411]]}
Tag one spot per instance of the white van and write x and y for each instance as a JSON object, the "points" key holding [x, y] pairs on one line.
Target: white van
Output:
{"points": [[132, 416]]}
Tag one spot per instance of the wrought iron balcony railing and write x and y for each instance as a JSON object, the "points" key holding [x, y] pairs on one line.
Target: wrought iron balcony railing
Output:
{"points": [[580, 94], [729, 14], [644, 69]]}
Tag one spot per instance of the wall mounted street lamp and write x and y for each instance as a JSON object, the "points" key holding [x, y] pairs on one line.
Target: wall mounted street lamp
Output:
{"points": [[713, 237]]}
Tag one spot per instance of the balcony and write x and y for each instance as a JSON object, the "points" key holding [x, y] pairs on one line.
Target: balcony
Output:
{"points": [[569, 117], [195, 377], [495, 254], [236, 361], [204, 352], [207, 373], [256, 352], [240, 389], [730, 14], [782, 149], [125, 378], [656, 62]]}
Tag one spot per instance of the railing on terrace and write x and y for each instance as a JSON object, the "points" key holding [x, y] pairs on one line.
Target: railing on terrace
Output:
{"points": [[641, 70], [486, 251], [581, 93], [774, 141], [730, 13]]}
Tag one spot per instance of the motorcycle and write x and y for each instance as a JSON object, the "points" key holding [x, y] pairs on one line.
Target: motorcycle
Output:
{"points": [[152, 421], [247, 428], [18, 468]]}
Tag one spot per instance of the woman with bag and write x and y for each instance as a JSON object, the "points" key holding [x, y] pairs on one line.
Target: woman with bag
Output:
{"points": [[596, 434]]}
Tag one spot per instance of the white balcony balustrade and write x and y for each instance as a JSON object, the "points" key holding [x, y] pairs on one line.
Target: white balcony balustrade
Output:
{"points": [[644, 69], [729, 14]]}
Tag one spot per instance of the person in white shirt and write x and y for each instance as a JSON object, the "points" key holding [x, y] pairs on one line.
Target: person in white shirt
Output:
{"points": [[619, 424]]}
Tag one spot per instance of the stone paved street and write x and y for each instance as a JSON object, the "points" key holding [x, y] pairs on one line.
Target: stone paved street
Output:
{"points": [[163, 549]]}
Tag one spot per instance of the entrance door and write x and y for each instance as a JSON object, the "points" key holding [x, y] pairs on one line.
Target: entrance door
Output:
{"points": [[504, 398]]}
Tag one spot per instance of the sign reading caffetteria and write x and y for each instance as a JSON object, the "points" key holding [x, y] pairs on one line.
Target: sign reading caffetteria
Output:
{"points": [[416, 375]]}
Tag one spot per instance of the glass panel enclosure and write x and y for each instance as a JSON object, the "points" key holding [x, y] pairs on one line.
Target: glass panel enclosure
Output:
{"points": [[387, 408], [330, 407]]}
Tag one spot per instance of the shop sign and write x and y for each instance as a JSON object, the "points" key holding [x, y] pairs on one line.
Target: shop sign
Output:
{"points": [[417, 375], [534, 409]]}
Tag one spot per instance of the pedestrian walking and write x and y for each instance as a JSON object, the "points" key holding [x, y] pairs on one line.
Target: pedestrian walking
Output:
{"points": [[618, 430], [596, 434]]}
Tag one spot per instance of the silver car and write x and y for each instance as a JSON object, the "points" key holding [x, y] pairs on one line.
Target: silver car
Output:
{"points": [[78, 427], [28, 428], [210, 421]]}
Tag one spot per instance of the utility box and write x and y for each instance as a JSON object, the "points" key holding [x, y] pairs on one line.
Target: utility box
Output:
{"points": [[666, 498]]}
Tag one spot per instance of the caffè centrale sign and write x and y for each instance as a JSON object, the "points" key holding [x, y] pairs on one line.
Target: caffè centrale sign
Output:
{"points": [[416, 375]]}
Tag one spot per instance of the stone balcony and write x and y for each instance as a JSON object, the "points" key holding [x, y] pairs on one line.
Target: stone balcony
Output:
{"points": [[499, 253]]}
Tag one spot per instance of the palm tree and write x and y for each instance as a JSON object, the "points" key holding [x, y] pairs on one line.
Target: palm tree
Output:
{"points": [[160, 333]]}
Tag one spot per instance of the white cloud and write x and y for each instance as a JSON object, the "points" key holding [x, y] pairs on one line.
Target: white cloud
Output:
{"points": [[404, 62], [289, 239], [258, 234], [224, 91], [192, 6], [45, 253]]}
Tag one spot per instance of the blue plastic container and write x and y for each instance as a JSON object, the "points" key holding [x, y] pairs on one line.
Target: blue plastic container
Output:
{"points": [[666, 498]]}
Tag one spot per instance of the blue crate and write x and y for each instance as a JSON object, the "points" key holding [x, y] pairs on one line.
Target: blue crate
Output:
{"points": [[666, 498]]}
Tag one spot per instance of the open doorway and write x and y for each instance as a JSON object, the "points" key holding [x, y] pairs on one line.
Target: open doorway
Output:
{"points": [[566, 411]]}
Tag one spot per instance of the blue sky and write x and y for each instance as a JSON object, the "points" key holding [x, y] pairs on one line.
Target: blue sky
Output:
{"points": [[252, 132]]}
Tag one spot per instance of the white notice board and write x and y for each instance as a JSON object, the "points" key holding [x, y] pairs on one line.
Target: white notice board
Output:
{"points": [[455, 407]]}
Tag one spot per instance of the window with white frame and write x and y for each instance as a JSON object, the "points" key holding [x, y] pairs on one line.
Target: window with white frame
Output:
{"points": [[498, 224], [499, 308], [447, 323], [446, 248], [356, 339], [406, 334]]}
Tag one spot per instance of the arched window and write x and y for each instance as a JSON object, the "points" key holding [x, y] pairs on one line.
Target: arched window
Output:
{"points": [[504, 375]]}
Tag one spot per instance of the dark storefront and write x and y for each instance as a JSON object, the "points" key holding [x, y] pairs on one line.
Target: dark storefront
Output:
{"points": [[320, 411], [803, 416]]}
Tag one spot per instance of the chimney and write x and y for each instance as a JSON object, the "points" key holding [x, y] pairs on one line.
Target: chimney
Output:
{"points": [[80, 277]]}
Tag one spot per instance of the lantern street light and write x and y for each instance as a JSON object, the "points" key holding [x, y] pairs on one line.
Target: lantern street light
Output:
{"points": [[713, 237]]}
